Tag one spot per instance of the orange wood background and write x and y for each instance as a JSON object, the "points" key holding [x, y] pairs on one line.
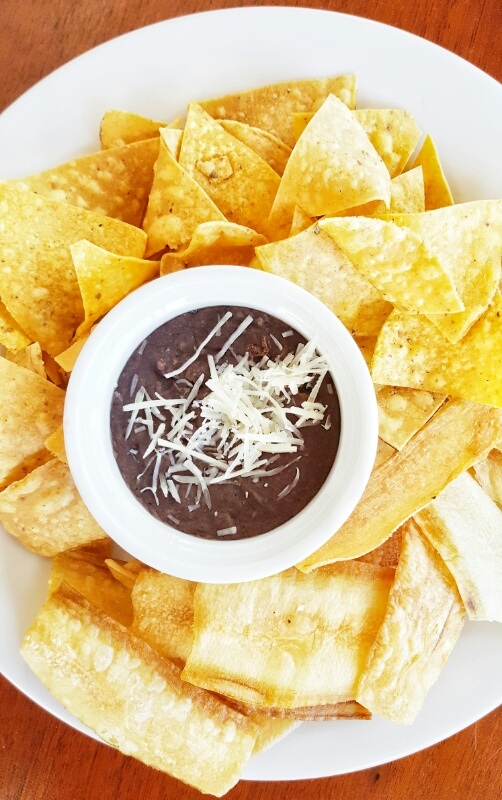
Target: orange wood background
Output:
{"points": [[42, 759]]}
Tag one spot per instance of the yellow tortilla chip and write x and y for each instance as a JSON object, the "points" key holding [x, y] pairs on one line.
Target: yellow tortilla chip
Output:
{"points": [[458, 435], [465, 526], [437, 191], [30, 358], [113, 182], [123, 127], [126, 572], [12, 336], [410, 352], [387, 555], [240, 183], [300, 222], [45, 512], [467, 239], [402, 412], [488, 473], [266, 145], [37, 282], [177, 205], [133, 698], [55, 444], [406, 196], [31, 409], [333, 166], [105, 278], [172, 139], [214, 243], [423, 621], [54, 371], [271, 107], [314, 261], [397, 262], [384, 451], [68, 357]]}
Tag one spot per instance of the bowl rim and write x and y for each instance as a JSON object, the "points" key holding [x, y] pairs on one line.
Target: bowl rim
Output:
{"points": [[88, 440]]}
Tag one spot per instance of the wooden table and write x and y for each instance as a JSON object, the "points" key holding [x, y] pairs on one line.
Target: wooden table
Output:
{"points": [[40, 758]]}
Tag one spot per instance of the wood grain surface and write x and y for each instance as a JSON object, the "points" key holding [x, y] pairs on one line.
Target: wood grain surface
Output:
{"points": [[42, 759]]}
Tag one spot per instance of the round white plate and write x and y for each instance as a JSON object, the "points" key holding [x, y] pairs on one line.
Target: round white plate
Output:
{"points": [[155, 71]]}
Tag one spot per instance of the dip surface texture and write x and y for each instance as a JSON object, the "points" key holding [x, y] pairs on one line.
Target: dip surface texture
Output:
{"points": [[241, 506]]}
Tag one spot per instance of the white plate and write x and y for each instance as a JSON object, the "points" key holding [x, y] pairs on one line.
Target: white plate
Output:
{"points": [[155, 71]]}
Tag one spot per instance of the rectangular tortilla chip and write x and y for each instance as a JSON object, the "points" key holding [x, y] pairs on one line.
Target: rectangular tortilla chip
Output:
{"points": [[290, 640], [465, 526], [422, 624], [458, 435], [133, 698], [45, 512]]}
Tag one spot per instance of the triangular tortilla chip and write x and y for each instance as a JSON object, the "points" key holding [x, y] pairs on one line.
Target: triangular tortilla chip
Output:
{"points": [[266, 145], [113, 182], [411, 352], [177, 205], [67, 359], [123, 127], [332, 167], [397, 262], [12, 335], [55, 444], [315, 262], [214, 243], [402, 412], [32, 410], [300, 222], [437, 191], [271, 107], [242, 184], [488, 474], [37, 281], [172, 139], [467, 239], [406, 196], [105, 278], [30, 358]]}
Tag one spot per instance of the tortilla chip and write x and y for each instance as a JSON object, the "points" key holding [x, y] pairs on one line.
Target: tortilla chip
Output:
{"points": [[397, 262], [269, 147], [172, 139], [314, 261], [437, 191], [177, 205], [406, 196], [402, 412], [133, 698], [410, 352], [467, 240], [54, 372], [347, 710], [214, 243], [271, 107], [37, 281], [271, 730], [333, 166], [290, 640], [240, 183], [423, 621], [29, 357], [113, 182], [55, 445], [300, 222], [488, 474], [123, 127], [12, 336], [126, 572], [105, 278], [458, 435], [387, 555], [45, 512], [465, 527], [67, 359], [32, 409], [384, 451]]}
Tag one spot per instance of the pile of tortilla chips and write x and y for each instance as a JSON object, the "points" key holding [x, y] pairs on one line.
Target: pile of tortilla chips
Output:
{"points": [[291, 179]]}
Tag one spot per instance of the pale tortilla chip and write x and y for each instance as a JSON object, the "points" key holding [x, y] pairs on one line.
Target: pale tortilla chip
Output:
{"points": [[397, 262], [177, 205], [123, 127], [54, 371], [300, 222], [465, 527], [12, 335], [214, 243], [333, 166], [29, 357], [105, 278], [55, 445], [467, 239], [113, 182], [488, 473], [45, 512], [387, 555], [240, 183], [290, 640], [410, 352], [37, 281], [67, 359], [126, 572], [384, 451], [314, 261], [402, 412], [271, 730], [264, 144], [32, 409], [172, 139], [133, 698], [406, 196], [271, 107], [437, 191], [458, 435], [346, 710], [423, 621]]}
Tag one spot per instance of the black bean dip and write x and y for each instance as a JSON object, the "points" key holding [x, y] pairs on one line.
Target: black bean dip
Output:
{"points": [[176, 438]]}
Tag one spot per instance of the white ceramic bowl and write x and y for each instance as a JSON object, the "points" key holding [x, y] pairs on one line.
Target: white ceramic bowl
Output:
{"points": [[88, 440]]}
